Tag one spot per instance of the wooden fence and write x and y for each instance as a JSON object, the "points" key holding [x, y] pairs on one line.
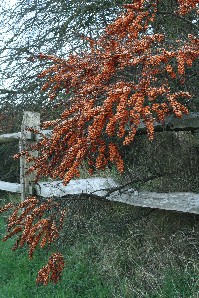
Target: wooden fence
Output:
{"points": [[24, 138], [98, 187]]}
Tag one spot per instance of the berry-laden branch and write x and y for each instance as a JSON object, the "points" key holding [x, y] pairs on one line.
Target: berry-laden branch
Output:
{"points": [[37, 223], [185, 6], [128, 76], [52, 271]]}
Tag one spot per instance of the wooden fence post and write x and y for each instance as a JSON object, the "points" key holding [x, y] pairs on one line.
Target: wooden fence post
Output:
{"points": [[32, 120]]}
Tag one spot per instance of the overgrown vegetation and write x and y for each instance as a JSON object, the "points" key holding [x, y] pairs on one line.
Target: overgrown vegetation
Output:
{"points": [[173, 156], [112, 250]]}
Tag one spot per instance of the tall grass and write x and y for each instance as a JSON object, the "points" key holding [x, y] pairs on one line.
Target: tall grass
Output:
{"points": [[112, 250]]}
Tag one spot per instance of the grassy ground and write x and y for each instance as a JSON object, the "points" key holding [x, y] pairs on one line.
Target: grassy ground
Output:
{"points": [[112, 250]]}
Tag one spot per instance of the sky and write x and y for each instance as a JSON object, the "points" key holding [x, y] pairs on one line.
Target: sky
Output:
{"points": [[6, 3], [10, 2]]}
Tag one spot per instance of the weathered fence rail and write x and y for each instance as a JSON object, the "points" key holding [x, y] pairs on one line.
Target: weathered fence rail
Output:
{"points": [[10, 137], [180, 201]]}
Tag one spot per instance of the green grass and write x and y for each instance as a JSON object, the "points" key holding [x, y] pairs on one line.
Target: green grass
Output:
{"points": [[179, 284], [111, 250], [17, 274]]}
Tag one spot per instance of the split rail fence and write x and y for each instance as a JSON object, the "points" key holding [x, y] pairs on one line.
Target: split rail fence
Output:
{"points": [[180, 201]]}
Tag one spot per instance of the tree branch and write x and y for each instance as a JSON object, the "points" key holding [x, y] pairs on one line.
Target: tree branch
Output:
{"points": [[178, 16], [109, 190]]}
